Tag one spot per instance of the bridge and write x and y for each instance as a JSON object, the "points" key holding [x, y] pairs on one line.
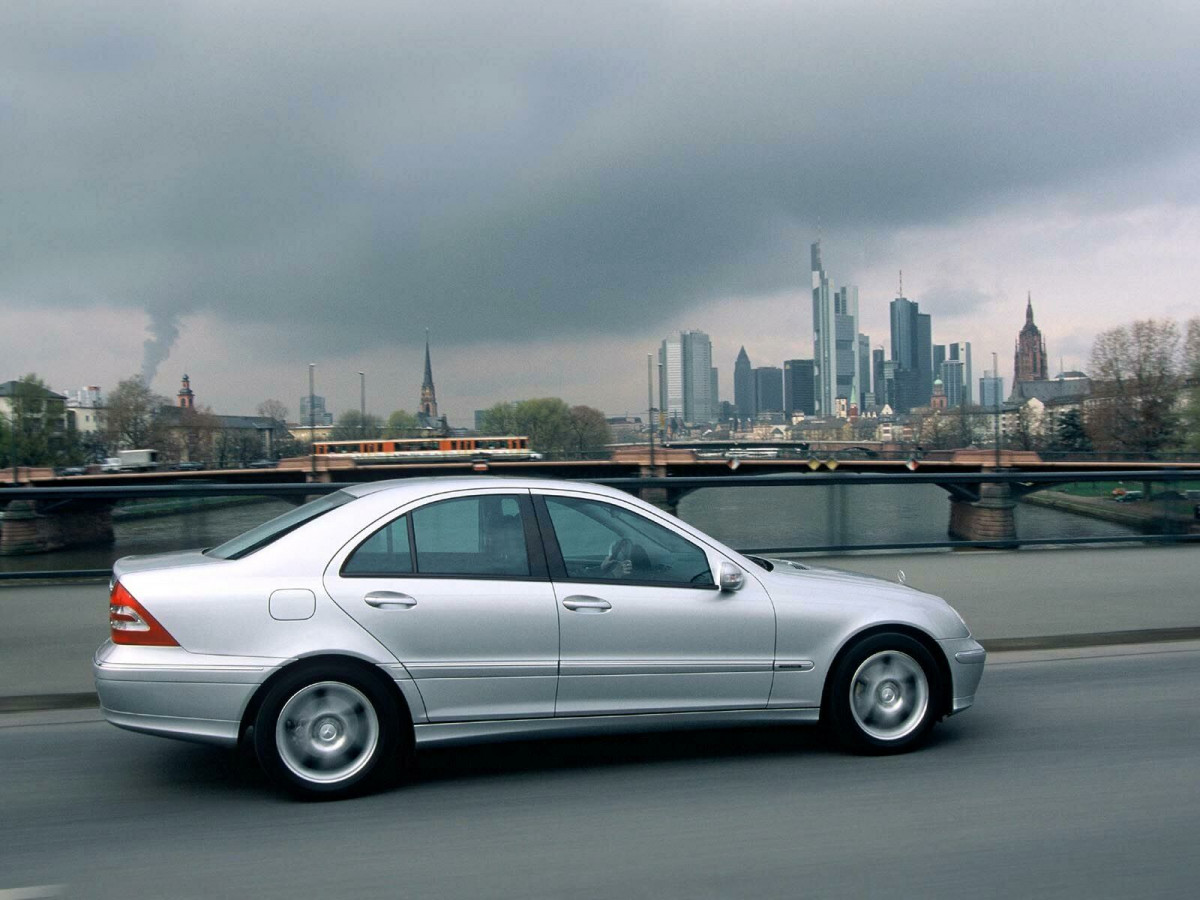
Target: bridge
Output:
{"points": [[44, 511]]}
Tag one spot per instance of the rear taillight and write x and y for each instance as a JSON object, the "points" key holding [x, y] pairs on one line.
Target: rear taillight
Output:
{"points": [[129, 622]]}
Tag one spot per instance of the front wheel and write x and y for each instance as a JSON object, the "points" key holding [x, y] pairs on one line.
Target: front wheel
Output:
{"points": [[884, 695], [326, 731]]}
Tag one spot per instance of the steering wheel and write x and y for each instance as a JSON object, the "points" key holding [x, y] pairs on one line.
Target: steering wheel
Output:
{"points": [[617, 564]]}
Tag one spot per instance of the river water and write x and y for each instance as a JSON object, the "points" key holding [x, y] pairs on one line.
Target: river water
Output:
{"points": [[767, 517]]}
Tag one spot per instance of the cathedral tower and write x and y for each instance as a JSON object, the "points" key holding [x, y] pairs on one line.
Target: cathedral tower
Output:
{"points": [[1029, 363]]}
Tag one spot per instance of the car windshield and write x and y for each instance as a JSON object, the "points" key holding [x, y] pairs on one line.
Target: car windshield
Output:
{"points": [[270, 531]]}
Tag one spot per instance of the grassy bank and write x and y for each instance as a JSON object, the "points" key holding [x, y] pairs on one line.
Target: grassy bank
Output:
{"points": [[1147, 516]]}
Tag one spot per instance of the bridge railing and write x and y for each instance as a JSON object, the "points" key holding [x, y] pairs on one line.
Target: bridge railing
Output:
{"points": [[1164, 505]]}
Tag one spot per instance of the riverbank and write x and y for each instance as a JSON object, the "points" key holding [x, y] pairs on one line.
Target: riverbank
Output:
{"points": [[1147, 516]]}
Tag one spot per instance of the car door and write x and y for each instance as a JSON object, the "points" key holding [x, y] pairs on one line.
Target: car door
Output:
{"points": [[457, 589], [643, 627]]}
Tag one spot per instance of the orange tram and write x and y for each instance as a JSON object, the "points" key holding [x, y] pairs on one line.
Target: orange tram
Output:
{"points": [[431, 449]]}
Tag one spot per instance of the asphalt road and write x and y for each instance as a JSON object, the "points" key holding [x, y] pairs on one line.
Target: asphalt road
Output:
{"points": [[1071, 777]]}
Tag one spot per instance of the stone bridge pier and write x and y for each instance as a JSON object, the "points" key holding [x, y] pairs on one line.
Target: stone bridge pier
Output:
{"points": [[28, 526], [989, 517]]}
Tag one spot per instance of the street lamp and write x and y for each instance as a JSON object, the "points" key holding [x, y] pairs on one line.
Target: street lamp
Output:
{"points": [[996, 399], [362, 406], [650, 403], [312, 420]]}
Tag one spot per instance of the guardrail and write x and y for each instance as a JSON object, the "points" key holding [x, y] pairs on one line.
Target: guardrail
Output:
{"points": [[957, 484]]}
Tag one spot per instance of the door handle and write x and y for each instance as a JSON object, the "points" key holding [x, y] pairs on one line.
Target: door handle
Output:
{"points": [[580, 602], [389, 600]]}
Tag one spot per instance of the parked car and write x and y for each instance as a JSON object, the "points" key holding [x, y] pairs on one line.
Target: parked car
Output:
{"points": [[187, 466], [392, 615], [263, 464], [67, 471]]}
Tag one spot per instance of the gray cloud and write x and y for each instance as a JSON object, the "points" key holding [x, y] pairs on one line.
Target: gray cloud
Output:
{"points": [[354, 174]]}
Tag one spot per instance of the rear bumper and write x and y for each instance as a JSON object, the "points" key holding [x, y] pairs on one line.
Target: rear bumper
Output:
{"points": [[170, 692], [966, 657]]}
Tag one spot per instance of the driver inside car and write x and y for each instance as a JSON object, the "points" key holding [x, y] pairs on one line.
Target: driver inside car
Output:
{"points": [[619, 562]]}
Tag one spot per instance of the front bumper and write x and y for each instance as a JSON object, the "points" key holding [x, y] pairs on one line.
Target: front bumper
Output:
{"points": [[966, 657], [170, 692]]}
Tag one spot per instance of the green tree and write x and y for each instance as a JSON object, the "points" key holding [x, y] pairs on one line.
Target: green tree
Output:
{"points": [[1070, 434], [353, 426], [401, 424], [589, 430], [132, 419], [500, 419], [37, 425], [547, 423]]}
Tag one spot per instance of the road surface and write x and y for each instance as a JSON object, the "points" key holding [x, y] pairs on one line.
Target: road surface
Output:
{"points": [[1071, 777]]}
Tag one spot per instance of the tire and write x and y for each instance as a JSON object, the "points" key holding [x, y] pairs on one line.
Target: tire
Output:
{"points": [[328, 730], [884, 695]]}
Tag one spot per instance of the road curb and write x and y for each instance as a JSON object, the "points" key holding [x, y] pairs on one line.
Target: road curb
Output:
{"points": [[25, 703], [1095, 639]]}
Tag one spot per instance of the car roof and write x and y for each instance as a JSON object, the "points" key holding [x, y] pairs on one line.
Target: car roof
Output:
{"points": [[442, 483]]}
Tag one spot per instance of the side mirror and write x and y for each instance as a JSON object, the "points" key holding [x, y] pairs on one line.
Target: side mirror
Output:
{"points": [[732, 578]]}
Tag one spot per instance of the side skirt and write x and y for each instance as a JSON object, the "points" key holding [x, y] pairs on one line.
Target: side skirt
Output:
{"points": [[445, 733]]}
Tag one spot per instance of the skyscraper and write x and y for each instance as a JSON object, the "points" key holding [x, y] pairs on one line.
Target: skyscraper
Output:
{"points": [[768, 390], [824, 346], [699, 405], [991, 390], [799, 387], [924, 358], [912, 348], [865, 386], [951, 375], [1029, 363], [688, 378], [835, 339], [670, 384], [877, 387], [962, 352], [743, 386]]}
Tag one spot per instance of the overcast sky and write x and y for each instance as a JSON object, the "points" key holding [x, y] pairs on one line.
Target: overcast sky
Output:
{"points": [[235, 190]]}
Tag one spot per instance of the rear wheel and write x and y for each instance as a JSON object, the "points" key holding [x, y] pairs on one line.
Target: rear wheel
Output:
{"points": [[883, 695], [327, 731]]}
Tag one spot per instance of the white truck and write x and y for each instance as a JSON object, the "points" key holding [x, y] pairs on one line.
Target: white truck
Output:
{"points": [[131, 461]]}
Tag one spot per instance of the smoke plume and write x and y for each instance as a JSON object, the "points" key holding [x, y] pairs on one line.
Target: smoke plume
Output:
{"points": [[164, 331]]}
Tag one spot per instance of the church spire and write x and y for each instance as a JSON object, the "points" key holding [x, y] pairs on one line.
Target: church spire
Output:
{"points": [[428, 381], [1029, 308], [427, 412]]}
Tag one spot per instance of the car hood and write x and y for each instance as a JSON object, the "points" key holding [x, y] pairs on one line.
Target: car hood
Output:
{"points": [[794, 579]]}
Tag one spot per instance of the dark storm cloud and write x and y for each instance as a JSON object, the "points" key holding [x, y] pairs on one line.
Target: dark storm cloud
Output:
{"points": [[357, 172]]}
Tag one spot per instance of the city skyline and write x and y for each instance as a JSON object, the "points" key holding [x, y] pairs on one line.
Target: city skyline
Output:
{"points": [[237, 195]]}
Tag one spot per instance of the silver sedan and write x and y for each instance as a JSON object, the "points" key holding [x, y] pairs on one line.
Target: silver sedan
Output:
{"points": [[341, 635]]}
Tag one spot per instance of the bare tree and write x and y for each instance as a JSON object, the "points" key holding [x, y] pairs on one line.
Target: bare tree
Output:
{"points": [[1137, 377], [589, 430], [273, 409], [132, 416]]}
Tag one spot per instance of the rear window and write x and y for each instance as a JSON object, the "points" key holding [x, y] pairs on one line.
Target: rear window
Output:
{"points": [[271, 531]]}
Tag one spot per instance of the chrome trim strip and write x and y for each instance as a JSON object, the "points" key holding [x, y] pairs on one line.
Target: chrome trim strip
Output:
{"points": [[150, 669], [570, 668], [801, 665], [442, 733], [482, 669]]}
